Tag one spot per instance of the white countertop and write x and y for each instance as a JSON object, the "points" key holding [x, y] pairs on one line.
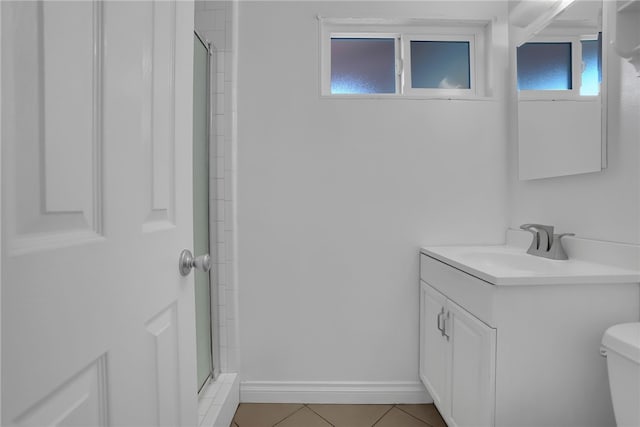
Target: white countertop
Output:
{"points": [[511, 265]]}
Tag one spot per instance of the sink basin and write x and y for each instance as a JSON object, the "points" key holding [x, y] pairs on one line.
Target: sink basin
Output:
{"points": [[511, 265], [514, 261]]}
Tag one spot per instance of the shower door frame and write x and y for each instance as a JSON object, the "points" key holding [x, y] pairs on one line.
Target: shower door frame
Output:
{"points": [[213, 234]]}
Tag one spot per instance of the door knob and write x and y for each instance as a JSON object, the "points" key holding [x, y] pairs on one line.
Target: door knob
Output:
{"points": [[188, 261]]}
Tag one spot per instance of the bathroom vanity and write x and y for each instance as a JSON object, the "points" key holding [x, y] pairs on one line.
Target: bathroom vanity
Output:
{"points": [[509, 339]]}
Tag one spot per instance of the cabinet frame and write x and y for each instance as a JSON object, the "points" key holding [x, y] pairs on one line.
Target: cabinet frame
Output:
{"points": [[536, 365]]}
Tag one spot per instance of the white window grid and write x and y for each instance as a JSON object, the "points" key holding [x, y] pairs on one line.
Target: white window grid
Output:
{"points": [[404, 31], [406, 60]]}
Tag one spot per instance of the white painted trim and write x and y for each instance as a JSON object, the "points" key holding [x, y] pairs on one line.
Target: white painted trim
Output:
{"points": [[345, 392], [392, 96], [604, 83], [530, 20], [401, 22], [1, 216], [233, 350]]}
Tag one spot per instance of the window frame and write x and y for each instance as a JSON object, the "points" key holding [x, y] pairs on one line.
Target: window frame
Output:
{"points": [[591, 37], [406, 60], [477, 32], [365, 35]]}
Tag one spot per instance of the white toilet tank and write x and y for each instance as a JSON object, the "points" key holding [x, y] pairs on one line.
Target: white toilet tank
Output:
{"points": [[622, 346]]}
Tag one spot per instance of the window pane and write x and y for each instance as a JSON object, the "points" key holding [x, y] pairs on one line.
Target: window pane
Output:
{"points": [[440, 65], [363, 65], [544, 66], [591, 69]]}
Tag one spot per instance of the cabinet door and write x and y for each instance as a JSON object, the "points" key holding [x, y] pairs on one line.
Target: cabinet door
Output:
{"points": [[472, 369], [434, 349]]}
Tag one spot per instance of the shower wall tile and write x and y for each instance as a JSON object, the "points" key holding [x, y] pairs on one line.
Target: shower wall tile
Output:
{"points": [[220, 214], [228, 212], [220, 232], [221, 188], [220, 147], [221, 119], [220, 79], [230, 253], [222, 272], [220, 163], [203, 18], [214, 21]]}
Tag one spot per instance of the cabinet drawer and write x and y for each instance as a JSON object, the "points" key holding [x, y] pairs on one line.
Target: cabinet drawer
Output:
{"points": [[471, 293]]}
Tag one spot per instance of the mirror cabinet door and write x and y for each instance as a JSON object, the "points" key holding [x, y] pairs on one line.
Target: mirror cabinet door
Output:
{"points": [[561, 93]]}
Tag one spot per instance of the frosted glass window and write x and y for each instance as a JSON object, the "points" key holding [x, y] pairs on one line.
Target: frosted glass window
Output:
{"points": [[544, 66], [591, 67], [363, 65], [440, 65]]}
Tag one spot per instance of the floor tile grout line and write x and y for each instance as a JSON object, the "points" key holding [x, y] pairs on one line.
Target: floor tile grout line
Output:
{"points": [[383, 415], [306, 405], [419, 419], [311, 409], [290, 415]]}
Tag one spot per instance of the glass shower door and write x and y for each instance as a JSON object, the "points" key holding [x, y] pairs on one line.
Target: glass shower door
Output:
{"points": [[201, 207]]}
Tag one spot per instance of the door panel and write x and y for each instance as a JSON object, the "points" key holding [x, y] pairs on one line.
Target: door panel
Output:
{"points": [[164, 331], [435, 348], [159, 136], [97, 323], [57, 119], [68, 101], [81, 401], [473, 351]]}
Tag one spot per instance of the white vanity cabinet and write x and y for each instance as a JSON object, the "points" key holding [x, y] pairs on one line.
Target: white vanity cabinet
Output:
{"points": [[457, 363], [507, 350]]}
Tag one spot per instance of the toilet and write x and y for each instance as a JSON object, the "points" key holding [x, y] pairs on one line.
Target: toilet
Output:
{"points": [[621, 346]]}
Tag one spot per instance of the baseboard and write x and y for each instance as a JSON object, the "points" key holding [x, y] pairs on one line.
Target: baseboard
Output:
{"points": [[333, 392]]}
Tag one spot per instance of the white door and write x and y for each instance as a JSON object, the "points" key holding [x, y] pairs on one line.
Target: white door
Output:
{"points": [[434, 346], [97, 323], [472, 371]]}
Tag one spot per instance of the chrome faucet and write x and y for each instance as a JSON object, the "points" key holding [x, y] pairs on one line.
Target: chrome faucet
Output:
{"points": [[545, 243]]}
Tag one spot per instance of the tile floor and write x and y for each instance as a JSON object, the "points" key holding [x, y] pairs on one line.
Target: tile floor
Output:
{"points": [[315, 415]]}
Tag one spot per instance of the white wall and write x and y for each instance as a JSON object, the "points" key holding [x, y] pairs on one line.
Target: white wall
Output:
{"points": [[603, 205], [335, 197]]}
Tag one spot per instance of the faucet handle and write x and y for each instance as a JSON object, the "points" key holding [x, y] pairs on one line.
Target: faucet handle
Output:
{"points": [[543, 236], [528, 227], [536, 237], [538, 227], [560, 236], [557, 251]]}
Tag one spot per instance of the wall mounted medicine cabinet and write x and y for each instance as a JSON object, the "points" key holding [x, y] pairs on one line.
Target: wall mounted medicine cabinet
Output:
{"points": [[561, 58]]}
